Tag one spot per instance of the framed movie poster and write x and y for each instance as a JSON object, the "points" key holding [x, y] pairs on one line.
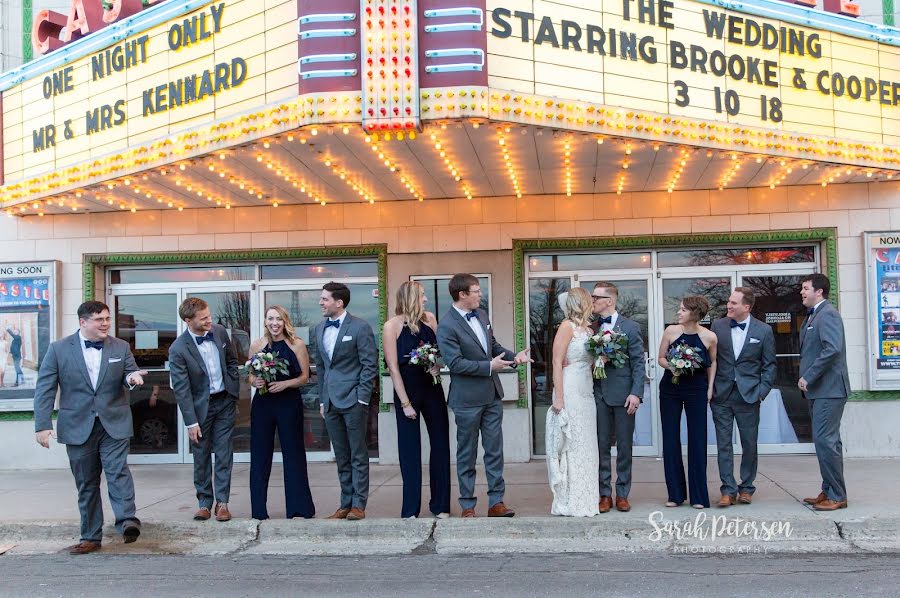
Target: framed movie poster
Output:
{"points": [[883, 299], [28, 323]]}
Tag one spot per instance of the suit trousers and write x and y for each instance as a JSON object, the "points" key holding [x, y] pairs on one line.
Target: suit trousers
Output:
{"points": [[488, 420], [409, 447], [826, 432], [347, 431], [102, 452], [286, 415], [725, 412], [616, 419], [217, 430]]}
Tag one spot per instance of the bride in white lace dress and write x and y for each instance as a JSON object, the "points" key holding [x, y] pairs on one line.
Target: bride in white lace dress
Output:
{"points": [[573, 459]]}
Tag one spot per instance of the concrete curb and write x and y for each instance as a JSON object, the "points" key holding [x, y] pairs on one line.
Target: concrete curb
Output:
{"points": [[475, 536]]}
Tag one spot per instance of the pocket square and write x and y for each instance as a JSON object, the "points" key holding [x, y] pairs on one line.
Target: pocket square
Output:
{"points": [[809, 327], [754, 340], [346, 338], [114, 359]]}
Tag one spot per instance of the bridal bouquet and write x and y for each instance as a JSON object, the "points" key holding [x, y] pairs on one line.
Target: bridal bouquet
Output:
{"points": [[426, 355], [268, 366], [683, 359], [610, 344]]}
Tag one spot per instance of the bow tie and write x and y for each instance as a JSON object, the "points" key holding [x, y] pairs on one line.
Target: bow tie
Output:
{"points": [[93, 345], [330, 323], [734, 324], [206, 337], [471, 314], [810, 311], [606, 320]]}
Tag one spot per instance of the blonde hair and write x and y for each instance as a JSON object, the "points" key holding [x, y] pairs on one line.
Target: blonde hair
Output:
{"points": [[288, 331], [409, 304], [578, 306]]}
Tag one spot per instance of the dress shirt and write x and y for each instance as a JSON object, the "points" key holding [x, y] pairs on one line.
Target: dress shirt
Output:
{"points": [[612, 324], [816, 308], [739, 337], [329, 337], [210, 353], [475, 325], [91, 360]]}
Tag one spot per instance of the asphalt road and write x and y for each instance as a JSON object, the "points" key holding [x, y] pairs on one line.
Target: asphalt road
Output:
{"points": [[436, 575]]}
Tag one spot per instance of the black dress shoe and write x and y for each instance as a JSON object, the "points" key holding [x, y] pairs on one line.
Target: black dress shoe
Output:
{"points": [[131, 532]]}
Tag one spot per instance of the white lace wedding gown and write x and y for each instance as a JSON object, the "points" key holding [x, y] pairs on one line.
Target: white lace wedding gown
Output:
{"points": [[574, 470]]}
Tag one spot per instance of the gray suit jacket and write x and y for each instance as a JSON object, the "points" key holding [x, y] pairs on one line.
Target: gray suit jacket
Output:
{"points": [[63, 368], [190, 380], [823, 354], [349, 375], [472, 384], [627, 380], [754, 370]]}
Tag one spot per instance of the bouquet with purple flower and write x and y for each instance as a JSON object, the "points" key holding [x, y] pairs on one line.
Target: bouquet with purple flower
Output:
{"points": [[266, 365], [683, 359], [427, 355], [609, 344]]}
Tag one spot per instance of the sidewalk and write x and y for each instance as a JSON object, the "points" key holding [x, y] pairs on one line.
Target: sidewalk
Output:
{"points": [[38, 513]]}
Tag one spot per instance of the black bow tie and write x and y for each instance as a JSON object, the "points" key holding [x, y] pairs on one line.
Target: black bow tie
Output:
{"points": [[206, 337], [734, 324], [330, 323], [810, 311], [93, 345], [606, 320], [471, 314]]}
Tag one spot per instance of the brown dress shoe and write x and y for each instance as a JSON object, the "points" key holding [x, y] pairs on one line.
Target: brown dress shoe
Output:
{"points": [[468, 513], [622, 504], [500, 510], [222, 512], [745, 497], [814, 501], [83, 547], [830, 505], [356, 514], [339, 514], [605, 504], [202, 514], [726, 501]]}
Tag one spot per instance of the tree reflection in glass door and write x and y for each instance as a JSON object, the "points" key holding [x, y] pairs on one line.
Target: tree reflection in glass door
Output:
{"points": [[545, 316]]}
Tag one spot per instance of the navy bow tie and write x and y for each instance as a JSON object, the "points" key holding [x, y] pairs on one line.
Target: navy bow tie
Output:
{"points": [[471, 314], [606, 320], [734, 324], [206, 337], [93, 345], [330, 323], [810, 311]]}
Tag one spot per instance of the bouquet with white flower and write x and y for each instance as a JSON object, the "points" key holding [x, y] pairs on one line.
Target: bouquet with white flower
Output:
{"points": [[268, 366], [427, 355], [610, 344], [683, 360]]}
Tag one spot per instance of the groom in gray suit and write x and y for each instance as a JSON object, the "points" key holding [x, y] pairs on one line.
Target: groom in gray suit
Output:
{"points": [[473, 356], [618, 397], [825, 383], [346, 367], [91, 369], [745, 373], [204, 371]]}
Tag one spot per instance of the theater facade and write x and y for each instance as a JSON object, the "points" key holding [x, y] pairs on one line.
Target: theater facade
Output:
{"points": [[248, 151]]}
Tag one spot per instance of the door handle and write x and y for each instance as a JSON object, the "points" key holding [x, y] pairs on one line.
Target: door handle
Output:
{"points": [[649, 366]]}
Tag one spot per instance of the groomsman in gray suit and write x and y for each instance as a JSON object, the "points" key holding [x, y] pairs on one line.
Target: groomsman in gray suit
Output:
{"points": [[91, 369], [473, 356], [204, 371], [618, 397], [826, 384], [745, 373], [346, 367]]}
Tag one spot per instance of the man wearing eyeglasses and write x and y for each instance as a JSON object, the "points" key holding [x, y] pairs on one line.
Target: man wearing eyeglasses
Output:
{"points": [[618, 397], [91, 370]]}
